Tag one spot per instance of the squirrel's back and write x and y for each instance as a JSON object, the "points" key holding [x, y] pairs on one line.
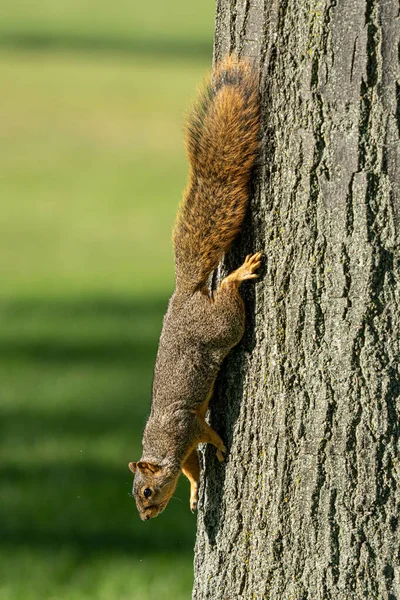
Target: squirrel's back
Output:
{"points": [[222, 141]]}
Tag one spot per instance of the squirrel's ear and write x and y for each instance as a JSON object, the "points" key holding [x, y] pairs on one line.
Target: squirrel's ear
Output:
{"points": [[132, 467], [147, 467]]}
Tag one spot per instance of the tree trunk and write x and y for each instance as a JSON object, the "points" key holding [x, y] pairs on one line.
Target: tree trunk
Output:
{"points": [[307, 505]]}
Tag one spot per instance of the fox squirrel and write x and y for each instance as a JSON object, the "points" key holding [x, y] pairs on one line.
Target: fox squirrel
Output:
{"points": [[199, 328]]}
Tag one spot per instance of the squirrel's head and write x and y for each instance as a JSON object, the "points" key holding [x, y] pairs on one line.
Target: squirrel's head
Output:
{"points": [[153, 486]]}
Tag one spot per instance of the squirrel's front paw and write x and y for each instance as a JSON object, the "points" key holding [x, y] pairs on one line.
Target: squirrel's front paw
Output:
{"points": [[194, 496], [220, 456]]}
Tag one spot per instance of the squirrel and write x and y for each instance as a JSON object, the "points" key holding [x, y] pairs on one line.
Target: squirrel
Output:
{"points": [[200, 327]]}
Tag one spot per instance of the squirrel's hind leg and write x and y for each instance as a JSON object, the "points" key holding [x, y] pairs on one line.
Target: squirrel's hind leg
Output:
{"points": [[227, 306]]}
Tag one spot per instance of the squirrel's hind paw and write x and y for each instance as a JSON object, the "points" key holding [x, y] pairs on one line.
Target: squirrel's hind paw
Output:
{"points": [[250, 266], [246, 271]]}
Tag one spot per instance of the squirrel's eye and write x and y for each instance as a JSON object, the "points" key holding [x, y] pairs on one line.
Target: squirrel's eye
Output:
{"points": [[147, 493]]}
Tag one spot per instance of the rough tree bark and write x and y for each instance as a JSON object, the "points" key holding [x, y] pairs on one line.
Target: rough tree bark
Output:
{"points": [[307, 505]]}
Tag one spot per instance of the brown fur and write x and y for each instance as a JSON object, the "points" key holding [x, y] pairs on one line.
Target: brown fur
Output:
{"points": [[199, 330], [222, 143]]}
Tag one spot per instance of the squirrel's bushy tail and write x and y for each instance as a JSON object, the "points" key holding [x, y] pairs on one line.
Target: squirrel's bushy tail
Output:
{"points": [[222, 141]]}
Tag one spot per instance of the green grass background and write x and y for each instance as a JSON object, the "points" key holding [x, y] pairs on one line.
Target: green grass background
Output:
{"points": [[92, 168]]}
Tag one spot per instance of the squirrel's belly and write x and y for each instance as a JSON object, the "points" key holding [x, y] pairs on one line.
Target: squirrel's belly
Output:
{"points": [[184, 374], [196, 336]]}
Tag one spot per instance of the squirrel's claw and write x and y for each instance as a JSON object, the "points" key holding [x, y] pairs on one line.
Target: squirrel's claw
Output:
{"points": [[220, 456], [194, 495], [194, 501]]}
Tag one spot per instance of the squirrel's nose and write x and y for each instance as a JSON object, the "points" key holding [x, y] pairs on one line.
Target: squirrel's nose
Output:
{"points": [[147, 517]]}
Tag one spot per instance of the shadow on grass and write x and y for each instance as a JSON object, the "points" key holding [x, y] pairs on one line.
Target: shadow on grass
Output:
{"points": [[37, 350], [63, 391], [92, 44], [95, 331]]}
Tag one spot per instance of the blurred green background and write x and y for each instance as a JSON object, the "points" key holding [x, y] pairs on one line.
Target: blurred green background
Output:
{"points": [[92, 169]]}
